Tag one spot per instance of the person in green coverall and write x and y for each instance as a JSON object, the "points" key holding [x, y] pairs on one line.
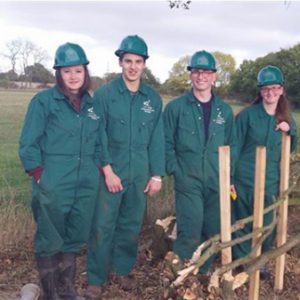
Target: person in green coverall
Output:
{"points": [[261, 124], [59, 148], [132, 159], [196, 124]]}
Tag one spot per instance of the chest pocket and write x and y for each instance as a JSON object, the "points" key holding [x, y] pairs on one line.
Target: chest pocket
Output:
{"points": [[257, 132], [186, 135], [62, 124], [117, 129], [145, 131], [91, 129]]}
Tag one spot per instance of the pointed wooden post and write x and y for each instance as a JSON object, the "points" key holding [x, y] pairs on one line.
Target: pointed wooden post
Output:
{"points": [[283, 209], [259, 195], [225, 210]]}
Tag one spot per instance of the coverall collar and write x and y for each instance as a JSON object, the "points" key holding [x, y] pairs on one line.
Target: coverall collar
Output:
{"points": [[262, 113], [58, 95], [192, 98], [122, 86]]}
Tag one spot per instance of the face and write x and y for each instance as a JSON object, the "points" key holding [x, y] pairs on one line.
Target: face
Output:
{"points": [[73, 77], [202, 80], [271, 93], [132, 67]]}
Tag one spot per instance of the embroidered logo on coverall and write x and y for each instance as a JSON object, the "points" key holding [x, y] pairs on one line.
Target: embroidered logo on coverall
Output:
{"points": [[147, 108], [92, 115], [219, 120]]}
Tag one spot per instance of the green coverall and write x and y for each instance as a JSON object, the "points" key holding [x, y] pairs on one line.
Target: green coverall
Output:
{"points": [[133, 144], [194, 162], [66, 143], [256, 127]]}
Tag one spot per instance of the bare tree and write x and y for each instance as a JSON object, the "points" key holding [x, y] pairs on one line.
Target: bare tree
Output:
{"points": [[12, 53], [39, 55]]}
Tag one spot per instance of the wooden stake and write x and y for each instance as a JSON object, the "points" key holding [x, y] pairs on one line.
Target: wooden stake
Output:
{"points": [[283, 209], [225, 211], [259, 194]]}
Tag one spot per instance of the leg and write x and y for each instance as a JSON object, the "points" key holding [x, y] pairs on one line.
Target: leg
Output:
{"points": [[102, 233], [80, 209], [211, 225], [128, 227], [268, 218], [189, 218], [243, 208]]}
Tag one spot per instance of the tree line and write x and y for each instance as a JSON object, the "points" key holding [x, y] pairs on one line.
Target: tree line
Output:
{"points": [[233, 83]]}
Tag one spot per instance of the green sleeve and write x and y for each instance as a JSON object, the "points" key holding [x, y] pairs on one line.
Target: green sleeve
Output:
{"points": [[170, 123], [293, 134], [104, 155], [30, 151], [157, 146]]}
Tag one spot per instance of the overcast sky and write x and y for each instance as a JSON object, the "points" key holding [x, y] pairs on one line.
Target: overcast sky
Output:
{"points": [[244, 29]]}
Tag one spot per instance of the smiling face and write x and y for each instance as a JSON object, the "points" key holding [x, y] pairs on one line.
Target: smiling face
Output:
{"points": [[132, 66], [73, 77], [271, 93], [202, 80]]}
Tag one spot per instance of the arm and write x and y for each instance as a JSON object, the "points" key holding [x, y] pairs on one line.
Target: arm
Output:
{"points": [[112, 181], [170, 122], [156, 152], [30, 151]]}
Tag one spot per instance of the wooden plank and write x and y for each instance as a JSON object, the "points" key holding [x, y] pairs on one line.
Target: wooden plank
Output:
{"points": [[259, 194], [283, 209], [225, 210]]}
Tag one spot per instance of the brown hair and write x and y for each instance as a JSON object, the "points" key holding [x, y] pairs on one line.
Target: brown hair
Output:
{"points": [[282, 109], [85, 87]]}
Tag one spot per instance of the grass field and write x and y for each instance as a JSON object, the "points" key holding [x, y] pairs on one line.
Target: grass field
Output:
{"points": [[15, 186], [14, 183]]}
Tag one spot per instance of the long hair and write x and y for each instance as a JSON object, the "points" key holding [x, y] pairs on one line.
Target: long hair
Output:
{"points": [[85, 87], [282, 109]]}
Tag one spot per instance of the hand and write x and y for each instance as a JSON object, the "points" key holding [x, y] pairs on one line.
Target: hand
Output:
{"points": [[153, 186], [283, 126], [233, 194], [112, 180]]}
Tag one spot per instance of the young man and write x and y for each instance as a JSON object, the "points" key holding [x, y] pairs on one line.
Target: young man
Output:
{"points": [[196, 124], [132, 161]]}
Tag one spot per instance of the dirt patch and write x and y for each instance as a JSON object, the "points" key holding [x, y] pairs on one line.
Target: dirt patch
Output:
{"points": [[17, 267]]}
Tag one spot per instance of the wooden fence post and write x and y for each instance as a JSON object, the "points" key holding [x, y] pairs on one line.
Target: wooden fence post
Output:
{"points": [[259, 194], [225, 210], [283, 209]]}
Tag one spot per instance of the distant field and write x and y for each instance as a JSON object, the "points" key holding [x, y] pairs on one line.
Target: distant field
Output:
{"points": [[14, 184]]}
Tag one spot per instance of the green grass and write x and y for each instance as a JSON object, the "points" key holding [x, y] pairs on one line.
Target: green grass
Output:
{"points": [[14, 183]]}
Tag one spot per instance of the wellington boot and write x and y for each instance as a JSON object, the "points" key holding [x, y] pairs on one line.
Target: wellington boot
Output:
{"points": [[48, 271], [67, 272]]}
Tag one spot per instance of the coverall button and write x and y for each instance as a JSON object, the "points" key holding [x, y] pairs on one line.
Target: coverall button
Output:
{"points": [[199, 118]]}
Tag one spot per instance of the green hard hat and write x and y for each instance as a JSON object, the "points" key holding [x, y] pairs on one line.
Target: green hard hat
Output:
{"points": [[68, 55], [133, 44], [202, 60], [269, 75]]}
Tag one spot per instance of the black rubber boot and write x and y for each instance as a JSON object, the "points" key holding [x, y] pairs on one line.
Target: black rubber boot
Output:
{"points": [[67, 271], [48, 271]]}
